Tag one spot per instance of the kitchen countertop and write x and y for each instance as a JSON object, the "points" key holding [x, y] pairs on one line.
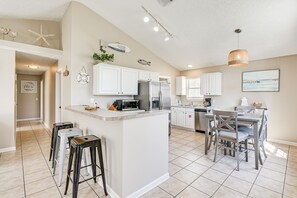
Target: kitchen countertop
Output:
{"points": [[189, 106], [107, 115]]}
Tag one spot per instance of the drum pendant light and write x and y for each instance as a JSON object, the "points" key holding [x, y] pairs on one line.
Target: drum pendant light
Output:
{"points": [[239, 57]]}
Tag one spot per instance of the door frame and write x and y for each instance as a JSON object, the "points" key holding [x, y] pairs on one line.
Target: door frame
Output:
{"points": [[58, 97]]}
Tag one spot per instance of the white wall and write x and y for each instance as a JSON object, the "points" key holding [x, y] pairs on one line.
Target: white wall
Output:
{"points": [[7, 104], [81, 31], [282, 105]]}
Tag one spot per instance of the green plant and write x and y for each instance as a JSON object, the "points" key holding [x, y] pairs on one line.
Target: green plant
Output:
{"points": [[104, 56]]}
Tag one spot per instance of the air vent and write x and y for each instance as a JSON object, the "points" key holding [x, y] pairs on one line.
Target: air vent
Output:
{"points": [[164, 2]]}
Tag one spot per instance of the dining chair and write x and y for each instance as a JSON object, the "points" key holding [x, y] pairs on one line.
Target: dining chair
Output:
{"points": [[245, 109], [262, 131], [226, 132]]}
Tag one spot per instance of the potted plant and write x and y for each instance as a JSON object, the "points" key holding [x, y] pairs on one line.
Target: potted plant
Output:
{"points": [[103, 57]]}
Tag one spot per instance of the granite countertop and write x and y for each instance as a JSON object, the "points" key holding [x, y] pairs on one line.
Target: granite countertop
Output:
{"points": [[107, 115]]}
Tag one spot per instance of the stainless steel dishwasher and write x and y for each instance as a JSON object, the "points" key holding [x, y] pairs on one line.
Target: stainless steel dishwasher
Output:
{"points": [[200, 120]]}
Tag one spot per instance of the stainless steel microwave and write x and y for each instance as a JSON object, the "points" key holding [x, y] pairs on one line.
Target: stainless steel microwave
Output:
{"points": [[127, 105]]}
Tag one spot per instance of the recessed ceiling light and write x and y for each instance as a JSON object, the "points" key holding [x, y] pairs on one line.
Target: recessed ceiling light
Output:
{"points": [[146, 19], [190, 66], [156, 29], [32, 66]]}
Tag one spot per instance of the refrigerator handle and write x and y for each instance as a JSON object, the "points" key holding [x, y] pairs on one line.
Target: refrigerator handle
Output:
{"points": [[161, 100]]}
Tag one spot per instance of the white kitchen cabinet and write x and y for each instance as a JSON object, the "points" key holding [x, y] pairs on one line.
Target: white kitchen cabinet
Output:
{"points": [[106, 80], [129, 81], [181, 86], [148, 76], [211, 84], [183, 117], [173, 116], [190, 118], [180, 117], [114, 80], [154, 76]]}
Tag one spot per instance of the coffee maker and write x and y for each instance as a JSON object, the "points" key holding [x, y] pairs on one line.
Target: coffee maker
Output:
{"points": [[207, 102]]}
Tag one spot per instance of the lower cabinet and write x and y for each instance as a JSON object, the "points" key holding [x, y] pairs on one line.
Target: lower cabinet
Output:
{"points": [[183, 117]]}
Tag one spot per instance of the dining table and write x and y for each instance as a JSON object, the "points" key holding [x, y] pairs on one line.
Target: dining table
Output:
{"points": [[247, 118]]}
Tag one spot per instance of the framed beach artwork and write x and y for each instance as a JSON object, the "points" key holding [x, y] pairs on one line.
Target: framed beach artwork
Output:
{"points": [[28, 86], [261, 81]]}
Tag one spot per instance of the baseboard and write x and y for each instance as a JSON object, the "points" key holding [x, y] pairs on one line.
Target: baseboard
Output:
{"points": [[8, 149], [149, 187], [141, 191], [282, 142], [46, 125], [27, 119]]}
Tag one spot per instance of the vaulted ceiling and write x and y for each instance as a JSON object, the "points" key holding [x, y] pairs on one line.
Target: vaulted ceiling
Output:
{"points": [[203, 30]]}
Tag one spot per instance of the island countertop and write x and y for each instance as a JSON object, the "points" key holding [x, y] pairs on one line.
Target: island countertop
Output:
{"points": [[107, 115]]}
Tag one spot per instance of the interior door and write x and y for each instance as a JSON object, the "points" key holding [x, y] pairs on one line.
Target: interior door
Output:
{"points": [[58, 100]]}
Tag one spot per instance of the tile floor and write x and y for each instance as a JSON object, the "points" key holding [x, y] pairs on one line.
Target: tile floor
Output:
{"points": [[27, 172]]}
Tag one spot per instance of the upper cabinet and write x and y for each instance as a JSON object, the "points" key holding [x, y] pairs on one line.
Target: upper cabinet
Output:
{"points": [[129, 81], [114, 80], [211, 84], [181, 86], [148, 76]]}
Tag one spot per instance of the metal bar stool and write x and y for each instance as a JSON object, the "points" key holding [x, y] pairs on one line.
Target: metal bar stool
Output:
{"points": [[56, 128], [77, 145], [63, 136]]}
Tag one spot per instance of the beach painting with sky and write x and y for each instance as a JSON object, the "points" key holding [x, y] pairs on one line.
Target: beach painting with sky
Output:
{"points": [[261, 81]]}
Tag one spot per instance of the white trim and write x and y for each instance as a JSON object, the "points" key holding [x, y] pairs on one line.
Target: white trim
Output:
{"points": [[8, 149], [149, 187], [28, 119], [282, 142], [31, 49], [46, 125], [139, 192]]}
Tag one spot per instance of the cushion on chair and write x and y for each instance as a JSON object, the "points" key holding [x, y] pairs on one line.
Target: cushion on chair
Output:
{"points": [[232, 135], [248, 130]]}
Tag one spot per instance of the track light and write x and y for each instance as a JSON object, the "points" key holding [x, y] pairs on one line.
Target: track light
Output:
{"points": [[158, 26], [146, 19]]}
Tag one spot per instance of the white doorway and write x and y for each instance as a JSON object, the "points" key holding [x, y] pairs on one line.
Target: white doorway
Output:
{"points": [[58, 99], [41, 100]]}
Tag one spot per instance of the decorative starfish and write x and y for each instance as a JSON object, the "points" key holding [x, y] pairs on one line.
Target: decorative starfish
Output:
{"points": [[41, 36]]}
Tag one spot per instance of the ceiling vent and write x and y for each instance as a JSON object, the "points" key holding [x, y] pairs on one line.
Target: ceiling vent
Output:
{"points": [[164, 2]]}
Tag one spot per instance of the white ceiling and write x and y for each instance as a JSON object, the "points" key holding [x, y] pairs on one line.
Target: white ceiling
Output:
{"points": [[203, 30], [23, 60]]}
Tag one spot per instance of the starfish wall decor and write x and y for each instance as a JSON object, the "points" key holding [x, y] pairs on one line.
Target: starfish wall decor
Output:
{"points": [[41, 36]]}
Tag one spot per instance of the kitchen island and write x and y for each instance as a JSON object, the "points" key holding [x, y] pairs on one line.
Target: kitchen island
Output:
{"points": [[135, 146]]}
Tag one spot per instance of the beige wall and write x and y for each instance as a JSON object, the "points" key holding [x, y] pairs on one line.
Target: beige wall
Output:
{"points": [[49, 96], [21, 26], [83, 29], [7, 104], [282, 105], [28, 103]]}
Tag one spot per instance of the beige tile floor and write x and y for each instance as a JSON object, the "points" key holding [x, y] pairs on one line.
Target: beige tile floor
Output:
{"points": [[27, 173]]}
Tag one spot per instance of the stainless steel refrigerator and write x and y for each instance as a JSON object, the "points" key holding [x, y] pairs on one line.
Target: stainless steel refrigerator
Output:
{"points": [[153, 96]]}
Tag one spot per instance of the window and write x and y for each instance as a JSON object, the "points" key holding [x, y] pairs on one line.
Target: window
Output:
{"points": [[193, 88]]}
